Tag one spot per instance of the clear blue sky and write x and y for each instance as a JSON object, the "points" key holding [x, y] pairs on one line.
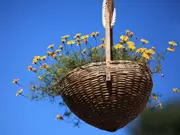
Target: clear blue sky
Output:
{"points": [[27, 27]]}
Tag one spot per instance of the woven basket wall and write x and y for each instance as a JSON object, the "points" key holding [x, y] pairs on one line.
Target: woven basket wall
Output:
{"points": [[107, 106]]}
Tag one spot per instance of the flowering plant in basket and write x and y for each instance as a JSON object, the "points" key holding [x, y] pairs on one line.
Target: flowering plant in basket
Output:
{"points": [[80, 50]]}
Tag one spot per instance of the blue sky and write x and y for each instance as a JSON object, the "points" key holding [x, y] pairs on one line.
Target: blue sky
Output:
{"points": [[27, 27]]}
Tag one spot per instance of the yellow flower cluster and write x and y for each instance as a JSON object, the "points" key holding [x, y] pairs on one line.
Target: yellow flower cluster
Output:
{"points": [[129, 33], [94, 34], [37, 59], [119, 46], [172, 45], [154, 97], [45, 66], [146, 53], [159, 104], [131, 45], [78, 38], [124, 38]]}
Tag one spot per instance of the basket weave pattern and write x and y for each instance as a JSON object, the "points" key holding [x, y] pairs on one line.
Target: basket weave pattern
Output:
{"points": [[107, 106]]}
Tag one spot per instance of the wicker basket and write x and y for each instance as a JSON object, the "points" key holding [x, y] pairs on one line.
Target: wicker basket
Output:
{"points": [[107, 105]]}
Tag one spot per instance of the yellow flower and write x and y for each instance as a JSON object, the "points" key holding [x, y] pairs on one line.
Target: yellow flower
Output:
{"points": [[34, 61], [54, 55], [34, 70], [37, 58], [71, 42], [77, 35], [57, 51], [19, 92], [50, 53], [127, 32], [131, 47], [40, 78], [131, 34], [170, 49], [50, 46], [65, 37], [63, 41], [79, 43], [130, 43], [93, 34], [143, 49], [139, 50], [172, 43], [85, 37], [61, 47], [102, 39], [29, 68], [146, 56], [153, 48], [45, 66], [15, 81], [59, 117], [175, 90], [102, 46], [150, 51], [124, 38], [144, 41], [83, 51], [43, 57], [119, 46], [154, 97], [160, 105], [78, 39], [97, 34]]}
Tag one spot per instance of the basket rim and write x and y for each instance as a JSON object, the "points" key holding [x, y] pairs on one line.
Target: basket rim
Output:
{"points": [[104, 63]]}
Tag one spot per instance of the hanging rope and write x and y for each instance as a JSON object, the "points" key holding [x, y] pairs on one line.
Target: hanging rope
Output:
{"points": [[109, 18]]}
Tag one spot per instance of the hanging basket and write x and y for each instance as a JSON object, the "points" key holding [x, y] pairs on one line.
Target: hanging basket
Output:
{"points": [[107, 105]]}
